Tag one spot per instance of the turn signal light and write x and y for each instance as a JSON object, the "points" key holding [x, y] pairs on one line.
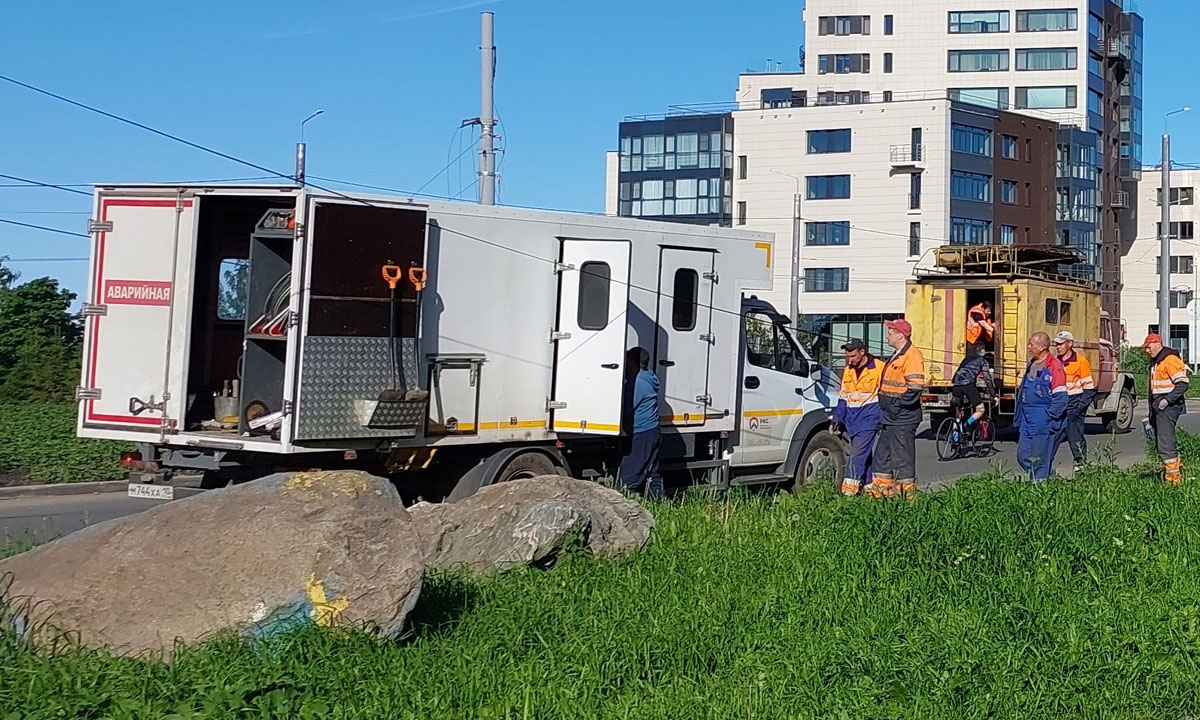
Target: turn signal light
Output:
{"points": [[131, 460]]}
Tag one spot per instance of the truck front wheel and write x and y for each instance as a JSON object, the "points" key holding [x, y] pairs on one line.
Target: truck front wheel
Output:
{"points": [[1122, 420], [823, 460]]}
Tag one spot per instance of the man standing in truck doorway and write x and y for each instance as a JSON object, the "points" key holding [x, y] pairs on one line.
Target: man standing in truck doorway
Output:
{"points": [[858, 411], [1168, 386], [639, 469], [1081, 390], [1041, 409], [980, 328], [900, 392]]}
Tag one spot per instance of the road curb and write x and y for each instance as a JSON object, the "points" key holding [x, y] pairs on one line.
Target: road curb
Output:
{"points": [[82, 488]]}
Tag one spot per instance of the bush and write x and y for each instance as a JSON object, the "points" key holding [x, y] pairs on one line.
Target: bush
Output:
{"points": [[38, 445]]}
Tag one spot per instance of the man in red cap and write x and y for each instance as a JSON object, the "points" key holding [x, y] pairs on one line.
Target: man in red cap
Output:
{"points": [[1168, 386], [900, 414]]}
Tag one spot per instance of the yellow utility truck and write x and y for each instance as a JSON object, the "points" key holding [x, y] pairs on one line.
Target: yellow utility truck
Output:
{"points": [[1028, 292]]}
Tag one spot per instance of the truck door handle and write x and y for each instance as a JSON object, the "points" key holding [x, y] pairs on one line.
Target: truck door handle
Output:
{"points": [[667, 363], [752, 382], [610, 366]]}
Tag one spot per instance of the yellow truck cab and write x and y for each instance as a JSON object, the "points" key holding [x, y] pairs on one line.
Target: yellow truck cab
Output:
{"points": [[1028, 292]]}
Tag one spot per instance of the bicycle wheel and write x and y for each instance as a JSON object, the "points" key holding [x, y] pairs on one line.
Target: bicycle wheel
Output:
{"points": [[947, 449]]}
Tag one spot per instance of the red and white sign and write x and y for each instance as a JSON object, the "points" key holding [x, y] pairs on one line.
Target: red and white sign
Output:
{"points": [[137, 292]]}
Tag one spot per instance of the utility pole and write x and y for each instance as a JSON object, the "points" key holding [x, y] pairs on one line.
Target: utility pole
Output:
{"points": [[302, 149], [794, 296], [487, 120], [1164, 238]]}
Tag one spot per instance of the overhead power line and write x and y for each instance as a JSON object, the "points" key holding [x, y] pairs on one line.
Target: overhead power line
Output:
{"points": [[47, 185], [4, 260], [60, 231]]}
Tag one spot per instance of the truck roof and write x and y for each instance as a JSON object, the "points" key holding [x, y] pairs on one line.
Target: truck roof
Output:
{"points": [[978, 262]]}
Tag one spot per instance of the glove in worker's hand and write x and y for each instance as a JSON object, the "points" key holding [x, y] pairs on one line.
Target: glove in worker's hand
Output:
{"points": [[1162, 404]]}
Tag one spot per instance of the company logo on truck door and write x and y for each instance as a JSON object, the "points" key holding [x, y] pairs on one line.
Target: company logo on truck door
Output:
{"points": [[137, 292]]}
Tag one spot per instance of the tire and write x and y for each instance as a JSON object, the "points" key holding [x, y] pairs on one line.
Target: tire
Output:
{"points": [[946, 450], [1121, 421], [823, 459], [527, 465]]}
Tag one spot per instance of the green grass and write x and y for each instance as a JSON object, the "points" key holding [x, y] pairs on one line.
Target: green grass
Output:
{"points": [[991, 600], [38, 445]]}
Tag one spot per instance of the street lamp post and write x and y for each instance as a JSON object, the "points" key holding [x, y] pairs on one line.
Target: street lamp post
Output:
{"points": [[1164, 233], [794, 295], [301, 148]]}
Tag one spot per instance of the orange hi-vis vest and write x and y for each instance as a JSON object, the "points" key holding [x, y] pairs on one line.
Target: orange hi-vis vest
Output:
{"points": [[1165, 373], [1079, 375], [860, 386], [975, 328]]}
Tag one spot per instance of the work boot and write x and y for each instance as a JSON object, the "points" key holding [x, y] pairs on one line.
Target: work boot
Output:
{"points": [[907, 488], [1173, 471], [850, 487], [881, 486]]}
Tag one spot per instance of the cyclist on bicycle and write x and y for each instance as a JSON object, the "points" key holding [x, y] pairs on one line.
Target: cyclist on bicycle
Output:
{"points": [[972, 373]]}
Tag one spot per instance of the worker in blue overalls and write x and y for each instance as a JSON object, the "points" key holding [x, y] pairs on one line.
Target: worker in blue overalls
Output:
{"points": [[858, 412], [1041, 412]]}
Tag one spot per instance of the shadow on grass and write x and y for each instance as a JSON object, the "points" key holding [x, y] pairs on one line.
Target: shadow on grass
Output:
{"points": [[445, 598]]}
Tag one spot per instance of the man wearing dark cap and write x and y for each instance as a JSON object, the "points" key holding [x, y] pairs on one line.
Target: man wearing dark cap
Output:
{"points": [[900, 413], [857, 411]]}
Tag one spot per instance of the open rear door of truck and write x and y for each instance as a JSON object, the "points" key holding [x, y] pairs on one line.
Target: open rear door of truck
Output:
{"points": [[136, 315], [684, 336], [593, 298]]}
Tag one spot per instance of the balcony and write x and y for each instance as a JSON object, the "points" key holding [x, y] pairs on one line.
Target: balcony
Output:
{"points": [[908, 156], [1120, 200], [1115, 49]]}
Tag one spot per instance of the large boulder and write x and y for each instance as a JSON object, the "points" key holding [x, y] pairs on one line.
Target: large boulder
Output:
{"points": [[330, 548], [528, 521]]}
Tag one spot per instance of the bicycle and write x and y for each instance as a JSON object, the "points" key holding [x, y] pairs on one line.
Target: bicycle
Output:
{"points": [[955, 439]]}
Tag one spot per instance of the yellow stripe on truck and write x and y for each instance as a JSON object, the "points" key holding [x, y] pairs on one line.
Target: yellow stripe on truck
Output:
{"points": [[585, 426], [773, 413]]}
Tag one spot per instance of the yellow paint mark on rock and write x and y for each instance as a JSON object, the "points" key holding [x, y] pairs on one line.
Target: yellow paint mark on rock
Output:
{"points": [[334, 482], [324, 611]]}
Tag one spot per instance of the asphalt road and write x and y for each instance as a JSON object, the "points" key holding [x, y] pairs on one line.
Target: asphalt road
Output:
{"points": [[45, 518]]}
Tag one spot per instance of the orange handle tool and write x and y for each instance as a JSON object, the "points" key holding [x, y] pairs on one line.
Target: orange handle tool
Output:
{"points": [[392, 274], [416, 276]]}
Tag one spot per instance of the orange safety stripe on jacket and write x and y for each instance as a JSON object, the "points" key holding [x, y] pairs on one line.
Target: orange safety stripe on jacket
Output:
{"points": [[1166, 373], [1079, 375], [861, 386], [904, 372], [975, 327]]}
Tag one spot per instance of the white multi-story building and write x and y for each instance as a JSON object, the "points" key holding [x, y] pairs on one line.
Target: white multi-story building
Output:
{"points": [[1140, 269]]}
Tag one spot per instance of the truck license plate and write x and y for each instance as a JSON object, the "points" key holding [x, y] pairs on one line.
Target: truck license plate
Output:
{"points": [[151, 492]]}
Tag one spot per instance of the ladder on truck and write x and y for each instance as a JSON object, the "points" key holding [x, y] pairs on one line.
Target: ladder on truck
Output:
{"points": [[1040, 262]]}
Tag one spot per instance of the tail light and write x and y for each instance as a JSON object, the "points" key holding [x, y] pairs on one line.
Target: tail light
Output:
{"points": [[131, 460]]}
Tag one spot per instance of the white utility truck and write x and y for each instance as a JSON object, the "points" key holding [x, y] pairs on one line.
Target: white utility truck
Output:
{"points": [[253, 328]]}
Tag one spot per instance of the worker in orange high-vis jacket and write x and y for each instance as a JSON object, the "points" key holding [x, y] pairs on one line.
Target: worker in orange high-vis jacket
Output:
{"points": [[980, 327], [857, 411], [1168, 386], [900, 391], [1081, 390]]}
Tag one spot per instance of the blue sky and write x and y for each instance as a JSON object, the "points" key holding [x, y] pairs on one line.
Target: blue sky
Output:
{"points": [[395, 80]]}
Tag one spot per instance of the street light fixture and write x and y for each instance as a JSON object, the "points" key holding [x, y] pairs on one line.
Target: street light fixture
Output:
{"points": [[1164, 262], [794, 295], [301, 148]]}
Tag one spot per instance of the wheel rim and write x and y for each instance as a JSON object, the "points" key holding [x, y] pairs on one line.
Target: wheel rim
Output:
{"points": [[821, 465], [945, 448], [1124, 410]]}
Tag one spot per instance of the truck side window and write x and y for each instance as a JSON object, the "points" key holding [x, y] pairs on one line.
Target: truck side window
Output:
{"points": [[760, 342], [231, 289], [1052, 312], [1064, 313], [594, 279], [683, 302]]}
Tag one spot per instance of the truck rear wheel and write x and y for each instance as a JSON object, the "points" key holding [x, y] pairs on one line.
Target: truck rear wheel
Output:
{"points": [[528, 464], [823, 460], [1122, 420]]}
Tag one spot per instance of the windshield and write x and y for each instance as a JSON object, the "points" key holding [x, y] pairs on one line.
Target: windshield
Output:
{"points": [[774, 346]]}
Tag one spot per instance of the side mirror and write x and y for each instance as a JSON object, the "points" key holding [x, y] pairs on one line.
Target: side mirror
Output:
{"points": [[806, 368]]}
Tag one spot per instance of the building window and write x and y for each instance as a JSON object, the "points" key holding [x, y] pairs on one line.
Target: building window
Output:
{"points": [[987, 97], [1047, 20], [1048, 59], [1047, 98], [741, 212], [888, 25], [1008, 192], [673, 152], [978, 60], [914, 239], [828, 187], [1008, 147], [851, 97], [827, 233], [887, 95], [1178, 299], [887, 62], [1179, 196], [979, 22], [967, 231], [683, 299], [970, 186], [594, 280], [844, 25], [828, 141], [914, 191], [742, 167], [1180, 264], [1008, 235], [1179, 231], [1095, 103], [826, 279], [844, 63], [652, 197], [971, 140]]}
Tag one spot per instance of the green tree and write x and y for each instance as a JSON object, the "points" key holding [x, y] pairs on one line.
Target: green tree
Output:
{"points": [[46, 371], [231, 294], [38, 309]]}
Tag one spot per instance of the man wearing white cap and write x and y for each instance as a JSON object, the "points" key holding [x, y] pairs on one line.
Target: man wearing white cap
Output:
{"points": [[1081, 390]]}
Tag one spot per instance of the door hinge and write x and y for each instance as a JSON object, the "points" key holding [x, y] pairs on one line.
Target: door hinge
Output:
{"points": [[99, 226], [293, 319], [299, 231], [86, 393], [712, 276], [555, 336], [709, 338], [563, 267], [704, 399], [179, 202], [288, 407], [555, 405], [93, 310]]}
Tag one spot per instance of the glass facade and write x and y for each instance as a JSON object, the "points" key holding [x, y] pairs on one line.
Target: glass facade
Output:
{"points": [[1077, 218], [996, 98], [971, 140], [1131, 98], [968, 231], [677, 168]]}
